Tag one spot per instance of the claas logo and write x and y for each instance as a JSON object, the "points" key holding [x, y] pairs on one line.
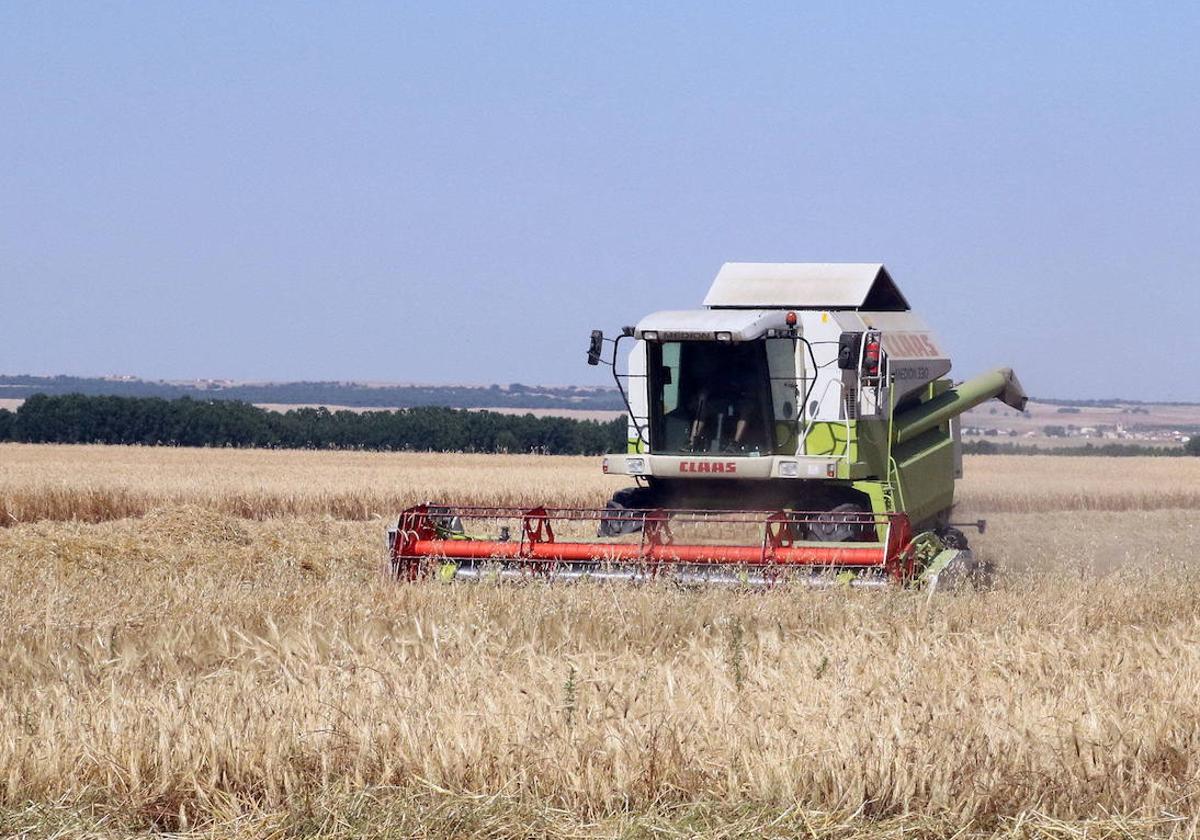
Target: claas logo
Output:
{"points": [[708, 466], [911, 345]]}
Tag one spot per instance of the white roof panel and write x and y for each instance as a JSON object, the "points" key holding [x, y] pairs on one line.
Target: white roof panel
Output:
{"points": [[805, 286], [701, 324]]}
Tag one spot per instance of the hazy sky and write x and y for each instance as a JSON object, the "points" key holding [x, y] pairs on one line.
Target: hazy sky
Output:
{"points": [[458, 193]]}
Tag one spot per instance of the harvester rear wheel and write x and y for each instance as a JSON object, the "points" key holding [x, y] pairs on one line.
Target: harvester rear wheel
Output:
{"points": [[970, 569], [953, 538]]}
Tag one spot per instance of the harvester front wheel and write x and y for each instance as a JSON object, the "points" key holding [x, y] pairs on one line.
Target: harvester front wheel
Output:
{"points": [[623, 513], [847, 522]]}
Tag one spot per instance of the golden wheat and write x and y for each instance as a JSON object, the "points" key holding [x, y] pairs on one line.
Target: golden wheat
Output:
{"points": [[231, 669], [99, 483]]}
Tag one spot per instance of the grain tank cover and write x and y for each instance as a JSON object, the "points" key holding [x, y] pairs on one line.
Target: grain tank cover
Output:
{"points": [[858, 286]]}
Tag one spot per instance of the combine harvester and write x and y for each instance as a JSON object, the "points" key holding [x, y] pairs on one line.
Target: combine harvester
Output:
{"points": [[798, 429]]}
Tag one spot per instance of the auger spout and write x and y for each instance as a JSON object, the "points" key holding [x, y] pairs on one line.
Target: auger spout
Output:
{"points": [[1001, 383]]}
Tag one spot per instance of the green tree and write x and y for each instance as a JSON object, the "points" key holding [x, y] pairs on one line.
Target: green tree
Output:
{"points": [[506, 441], [1193, 445], [153, 421]]}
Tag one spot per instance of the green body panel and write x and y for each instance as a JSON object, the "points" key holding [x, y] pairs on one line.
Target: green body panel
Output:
{"points": [[922, 468], [871, 449], [880, 501], [829, 439], [876, 491], [924, 475], [867, 447]]}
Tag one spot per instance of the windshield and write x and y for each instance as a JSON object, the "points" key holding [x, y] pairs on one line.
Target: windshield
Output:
{"points": [[712, 397]]}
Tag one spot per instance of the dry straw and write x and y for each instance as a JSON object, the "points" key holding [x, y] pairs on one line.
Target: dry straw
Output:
{"points": [[98, 483], [210, 668]]}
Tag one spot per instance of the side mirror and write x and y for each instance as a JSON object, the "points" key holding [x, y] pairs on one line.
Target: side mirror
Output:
{"points": [[849, 347], [595, 347]]}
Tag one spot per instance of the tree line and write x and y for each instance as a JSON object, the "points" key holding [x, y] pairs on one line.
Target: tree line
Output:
{"points": [[352, 394], [153, 421], [1111, 450]]}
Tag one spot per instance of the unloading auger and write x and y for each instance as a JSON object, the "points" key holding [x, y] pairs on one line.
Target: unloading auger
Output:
{"points": [[799, 429]]}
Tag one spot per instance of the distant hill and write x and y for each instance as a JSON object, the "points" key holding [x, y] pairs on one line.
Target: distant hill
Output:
{"points": [[1113, 402], [375, 395], [350, 394]]}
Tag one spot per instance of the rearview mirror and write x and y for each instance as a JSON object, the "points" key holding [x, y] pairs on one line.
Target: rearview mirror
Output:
{"points": [[595, 347]]}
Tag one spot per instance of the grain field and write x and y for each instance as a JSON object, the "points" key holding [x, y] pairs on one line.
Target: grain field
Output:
{"points": [[199, 642]]}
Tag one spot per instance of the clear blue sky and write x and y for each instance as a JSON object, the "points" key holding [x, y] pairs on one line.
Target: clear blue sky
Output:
{"points": [[458, 193]]}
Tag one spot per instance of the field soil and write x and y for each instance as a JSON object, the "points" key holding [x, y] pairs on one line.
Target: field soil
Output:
{"points": [[200, 642]]}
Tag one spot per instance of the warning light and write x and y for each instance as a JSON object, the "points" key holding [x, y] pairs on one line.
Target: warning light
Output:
{"points": [[791, 319]]}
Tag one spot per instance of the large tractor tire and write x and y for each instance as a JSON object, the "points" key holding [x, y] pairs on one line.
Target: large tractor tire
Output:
{"points": [[970, 571], [847, 522], [624, 511]]}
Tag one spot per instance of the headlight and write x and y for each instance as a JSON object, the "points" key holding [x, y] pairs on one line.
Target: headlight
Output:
{"points": [[636, 466], [789, 469]]}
